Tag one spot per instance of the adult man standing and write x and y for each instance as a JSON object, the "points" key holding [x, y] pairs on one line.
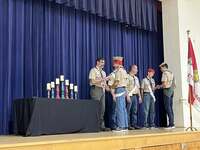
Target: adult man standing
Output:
{"points": [[147, 92], [133, 88], [168, 85], [97, 79]]}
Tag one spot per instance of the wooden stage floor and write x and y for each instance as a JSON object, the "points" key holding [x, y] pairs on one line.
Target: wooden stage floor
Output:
{"points": [[157, 139]]}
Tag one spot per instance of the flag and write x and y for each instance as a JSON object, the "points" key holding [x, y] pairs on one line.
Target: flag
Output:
{"points": [[193, 76]]}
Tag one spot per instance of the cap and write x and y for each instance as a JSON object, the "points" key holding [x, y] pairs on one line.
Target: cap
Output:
{"points": [[151, 70], [118, 60]]}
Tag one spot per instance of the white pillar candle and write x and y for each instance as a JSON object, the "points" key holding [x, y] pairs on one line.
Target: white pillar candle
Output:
{"points": [[48, 86], [57, 81], [67, 82], [71, 86], [62, 78], [75, 88], [52, 85]]}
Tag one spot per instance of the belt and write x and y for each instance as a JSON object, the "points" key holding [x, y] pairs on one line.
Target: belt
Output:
{"points": [[146, 92], [96, 86], [121, 87], [133, 95]]}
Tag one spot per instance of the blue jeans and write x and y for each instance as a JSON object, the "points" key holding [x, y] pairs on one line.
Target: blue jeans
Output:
{"points": [[132, 109], [168, 103], [149, 110], [121, 113], [113, 116]]}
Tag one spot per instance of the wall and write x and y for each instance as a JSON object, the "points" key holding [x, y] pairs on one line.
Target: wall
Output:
{"points": [[178, 17]]}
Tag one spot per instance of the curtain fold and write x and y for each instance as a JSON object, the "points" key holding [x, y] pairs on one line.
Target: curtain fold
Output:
{"points": [[122, 11], [40, 41]]}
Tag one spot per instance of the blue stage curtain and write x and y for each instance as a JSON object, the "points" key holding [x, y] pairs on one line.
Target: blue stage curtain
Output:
{"points": [[138, 13], [40, 40]]}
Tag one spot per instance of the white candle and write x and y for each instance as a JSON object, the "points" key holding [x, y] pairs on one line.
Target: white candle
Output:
{"points": [[57, 81], [52, 85], [67, 82], [71, 86], [75, 88], [48, 86], [62, 78]]}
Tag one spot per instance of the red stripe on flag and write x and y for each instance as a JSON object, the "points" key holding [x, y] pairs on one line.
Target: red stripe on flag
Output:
{"points": [[191, 97], [193, 77], [191, 55]]}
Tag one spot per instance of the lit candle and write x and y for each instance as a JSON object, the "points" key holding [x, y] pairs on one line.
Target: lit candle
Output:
{"points": [[71, 86], [48, 86], [67, 82], [62, 78], [75, 88], [57, 81], [52, 85]]}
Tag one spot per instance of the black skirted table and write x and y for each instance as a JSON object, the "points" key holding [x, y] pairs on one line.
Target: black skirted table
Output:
{"points": [[43, 116]]}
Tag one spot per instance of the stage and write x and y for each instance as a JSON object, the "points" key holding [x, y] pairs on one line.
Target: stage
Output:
{"points": [[156, 139]]}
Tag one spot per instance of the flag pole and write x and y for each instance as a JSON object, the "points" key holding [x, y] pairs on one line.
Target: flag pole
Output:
{"points": [[191, 128]]}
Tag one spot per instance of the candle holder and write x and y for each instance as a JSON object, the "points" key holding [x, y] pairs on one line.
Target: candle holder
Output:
{"points": [[48, 90], [52, 90], [62, 86], [75, 92], [57, 88], [71, 91], [67, 89]]}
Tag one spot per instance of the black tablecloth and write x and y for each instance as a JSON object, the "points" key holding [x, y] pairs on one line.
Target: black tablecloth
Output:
{"points": [[42, 116]]}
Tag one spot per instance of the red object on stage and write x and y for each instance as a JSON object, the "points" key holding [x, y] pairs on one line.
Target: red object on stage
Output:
{"points": [[193, 76], [119, 62]]}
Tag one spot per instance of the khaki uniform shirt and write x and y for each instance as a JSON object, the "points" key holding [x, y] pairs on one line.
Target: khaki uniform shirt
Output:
{"points": [[146, 82], [112, 78], [133, 86], [167, 77], [96, 74], [121, 76]]}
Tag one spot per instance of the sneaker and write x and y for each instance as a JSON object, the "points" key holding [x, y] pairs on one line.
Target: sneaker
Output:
{"points": [[173, 127], [125, 129], [144, 128], [117, 130], [131, 128], [152, 128], [105, 129], [170, 127], [137, 127]]}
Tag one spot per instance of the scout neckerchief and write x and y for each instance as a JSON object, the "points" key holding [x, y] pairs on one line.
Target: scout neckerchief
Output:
{"points": [[100, 71], [151, 89], [134, 79], [134, 85], [150, 82], [102, 83]]}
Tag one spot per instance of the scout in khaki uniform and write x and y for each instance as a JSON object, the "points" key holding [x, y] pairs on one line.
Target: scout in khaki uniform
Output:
{"points": [[112, 91], [119, 85], [97, 88], [147, 92], [133, 88], [168, 85]]}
